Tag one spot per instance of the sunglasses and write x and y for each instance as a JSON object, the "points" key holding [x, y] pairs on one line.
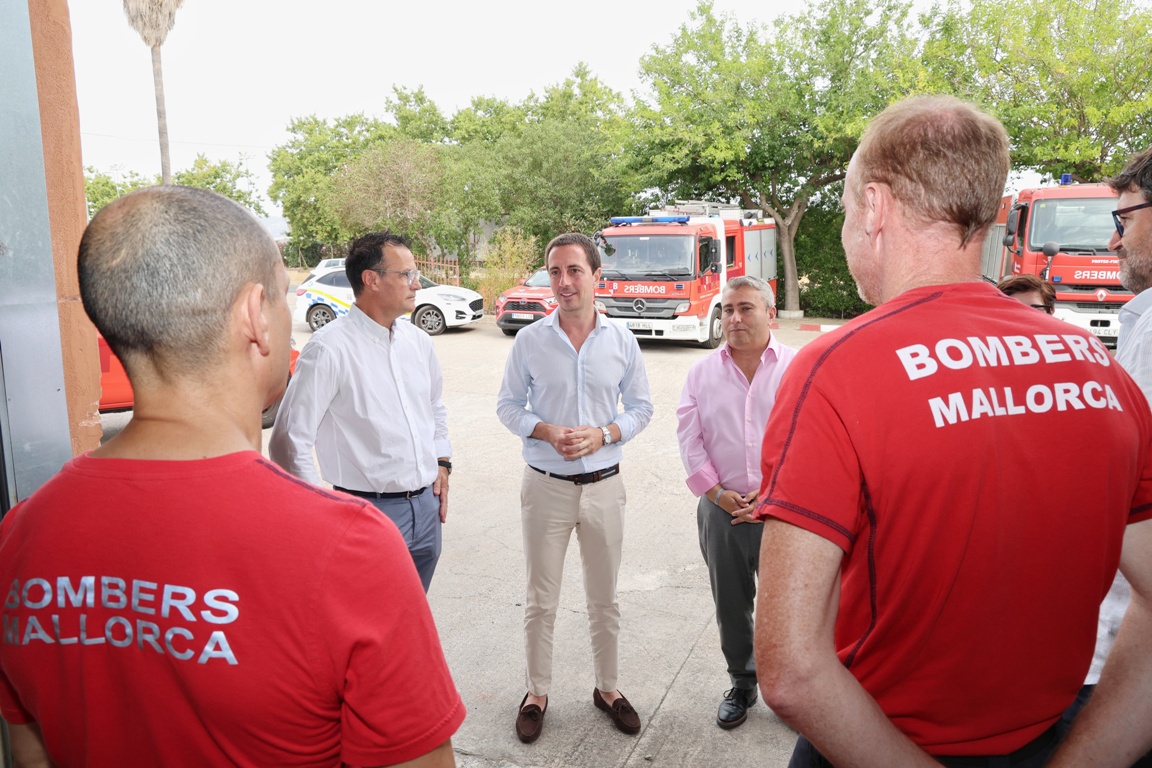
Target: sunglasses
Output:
{"points": [[1117, 214]]}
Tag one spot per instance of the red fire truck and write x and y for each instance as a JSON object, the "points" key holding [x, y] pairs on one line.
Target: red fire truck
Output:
{"points": [[1060, 234], [663, 273]]}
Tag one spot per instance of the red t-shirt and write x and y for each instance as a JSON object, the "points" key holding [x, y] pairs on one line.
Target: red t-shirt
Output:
{"points": [[215, 612], [977, 462]]}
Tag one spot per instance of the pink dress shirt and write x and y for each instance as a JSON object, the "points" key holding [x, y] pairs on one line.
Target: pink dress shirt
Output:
{"points": [[721, 418]]}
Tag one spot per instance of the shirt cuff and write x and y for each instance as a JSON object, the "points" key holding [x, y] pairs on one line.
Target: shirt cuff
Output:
{"points": [[702, 480], [528, 423]]}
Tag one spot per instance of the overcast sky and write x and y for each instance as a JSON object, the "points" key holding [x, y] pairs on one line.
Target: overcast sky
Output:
{"points": [[236, 71]]}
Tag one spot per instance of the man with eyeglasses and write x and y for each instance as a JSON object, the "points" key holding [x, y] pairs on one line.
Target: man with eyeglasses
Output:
{"points": [[367, 395], [1121, 675]]}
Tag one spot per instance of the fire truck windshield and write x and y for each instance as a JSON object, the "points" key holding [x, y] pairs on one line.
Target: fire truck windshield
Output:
{"points": [[1074, 224], [646, 257]]}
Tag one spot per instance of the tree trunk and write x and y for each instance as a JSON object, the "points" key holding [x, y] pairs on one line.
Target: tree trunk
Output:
{"points": [[161, 117], [787, 239]]}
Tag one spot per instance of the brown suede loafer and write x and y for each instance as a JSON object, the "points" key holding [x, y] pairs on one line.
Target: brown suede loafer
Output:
{"points": [[530, 721], [621, 712]]}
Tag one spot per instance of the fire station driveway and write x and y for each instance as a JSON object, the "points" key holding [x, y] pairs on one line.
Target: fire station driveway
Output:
{"points": [[671, 667]]}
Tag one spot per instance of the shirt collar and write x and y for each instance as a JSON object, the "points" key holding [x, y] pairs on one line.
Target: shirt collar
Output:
{"points": [[370, 326], [773, 348]]}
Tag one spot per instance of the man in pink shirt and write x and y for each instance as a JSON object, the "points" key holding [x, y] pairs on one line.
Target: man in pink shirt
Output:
{"points": [[723, 410]]}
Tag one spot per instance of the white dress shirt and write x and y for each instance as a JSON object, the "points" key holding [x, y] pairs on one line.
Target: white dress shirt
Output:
{"points": [[1134, 346], [547, 380], [1134, 354], [370, 401]]}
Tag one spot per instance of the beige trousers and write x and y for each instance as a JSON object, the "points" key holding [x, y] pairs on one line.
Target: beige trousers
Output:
{"points": [[550, 510]]}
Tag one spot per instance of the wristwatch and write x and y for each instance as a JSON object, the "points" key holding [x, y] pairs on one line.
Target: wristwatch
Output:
{"points": [[607, 435], [446, 464]]}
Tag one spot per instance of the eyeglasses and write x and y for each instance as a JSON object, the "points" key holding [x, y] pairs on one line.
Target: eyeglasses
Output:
{"points": [[410, 275], [1116, 216]]}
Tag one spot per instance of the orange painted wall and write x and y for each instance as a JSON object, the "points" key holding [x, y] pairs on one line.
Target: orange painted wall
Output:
{"points": [[67, 212]]}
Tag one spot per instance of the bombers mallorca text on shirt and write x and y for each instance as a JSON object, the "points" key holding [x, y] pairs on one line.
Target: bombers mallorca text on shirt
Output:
{"points": [[977, 462], [215, 612]]}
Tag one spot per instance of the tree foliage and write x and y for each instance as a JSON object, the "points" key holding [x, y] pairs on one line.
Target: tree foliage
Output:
{"points": [[394, 186], [510, 257], [1069, 80], [302, 171], [101, 188], [771, 117], [550, 164], [231, 179], [827, 289]]}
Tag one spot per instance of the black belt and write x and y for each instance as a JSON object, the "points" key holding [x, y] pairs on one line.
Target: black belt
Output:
{"points": [[586, 477], [378, 495], [1046, 740]]}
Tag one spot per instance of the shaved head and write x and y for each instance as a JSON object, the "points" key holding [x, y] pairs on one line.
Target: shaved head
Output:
{"points": [[160, 269]]}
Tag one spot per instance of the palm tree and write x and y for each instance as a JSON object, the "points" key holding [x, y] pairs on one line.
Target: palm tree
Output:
{"points": [[152, 20]]}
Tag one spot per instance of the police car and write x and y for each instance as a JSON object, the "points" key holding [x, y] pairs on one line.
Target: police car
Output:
{"points": [[328, 295]]}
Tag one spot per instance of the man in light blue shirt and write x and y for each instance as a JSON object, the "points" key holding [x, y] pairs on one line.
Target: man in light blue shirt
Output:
{"points": [[563, 381]]}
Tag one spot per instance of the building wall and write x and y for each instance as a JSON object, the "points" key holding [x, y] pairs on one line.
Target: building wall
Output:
{"points": [[67, 212]]}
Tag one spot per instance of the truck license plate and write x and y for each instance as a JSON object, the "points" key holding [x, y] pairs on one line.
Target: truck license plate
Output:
{"points": [[1103, 331], [523, 316], [639, 325]]}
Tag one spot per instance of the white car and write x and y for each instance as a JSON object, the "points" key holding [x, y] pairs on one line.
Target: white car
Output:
{"points": [[327, 295]]}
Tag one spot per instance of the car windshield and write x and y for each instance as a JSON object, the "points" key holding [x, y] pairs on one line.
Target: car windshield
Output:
{"points": [[539, 279], [425, 282], [649, 255], [1084, 223]]}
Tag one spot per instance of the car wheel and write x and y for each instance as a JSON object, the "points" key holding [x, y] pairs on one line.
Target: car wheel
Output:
{"points": [[715, 331], [509, 331], [319, 316], [430, 320]]}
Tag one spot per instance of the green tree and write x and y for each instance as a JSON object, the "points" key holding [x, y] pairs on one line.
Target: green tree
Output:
{"points": [[771, 118], [231, 179], [395, 186], [101, 188], [417, 116], [564, 167], [1069, 80], [509, 258], [303, 169], [826, 287], [153, 20]]}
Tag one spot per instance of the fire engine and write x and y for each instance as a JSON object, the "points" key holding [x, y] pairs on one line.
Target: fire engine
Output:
{"points": [[1060, 234], [662, 274]]}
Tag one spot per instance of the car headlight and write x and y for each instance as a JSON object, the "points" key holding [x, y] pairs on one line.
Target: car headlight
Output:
{"points": [[550, 301], [681, 308], [451, 297], [601, 307]]}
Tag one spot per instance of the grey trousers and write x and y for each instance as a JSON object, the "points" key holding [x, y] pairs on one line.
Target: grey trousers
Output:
{"points": [[732, 553]]}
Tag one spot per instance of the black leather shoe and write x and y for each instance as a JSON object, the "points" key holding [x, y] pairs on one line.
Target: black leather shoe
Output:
{"points": [[734, 709]]}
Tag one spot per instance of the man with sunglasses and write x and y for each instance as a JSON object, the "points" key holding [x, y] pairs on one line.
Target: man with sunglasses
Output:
{"points": [[1124, 622], [367, 395]]}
